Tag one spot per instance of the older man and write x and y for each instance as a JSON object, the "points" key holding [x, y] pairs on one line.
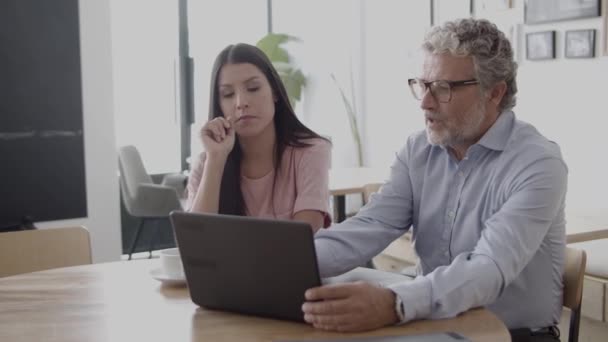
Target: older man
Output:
{"points": [[482, 191]]}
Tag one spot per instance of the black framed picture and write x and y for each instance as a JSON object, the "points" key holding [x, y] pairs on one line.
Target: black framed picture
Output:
{"points": [[540, 45], [542, 11], [580, 44]]}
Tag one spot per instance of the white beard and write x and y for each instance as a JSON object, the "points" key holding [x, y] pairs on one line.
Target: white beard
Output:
{"points": [[466, 130]]}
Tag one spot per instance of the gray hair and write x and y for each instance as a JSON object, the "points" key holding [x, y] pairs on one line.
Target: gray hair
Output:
{"points": [[486, 44]]}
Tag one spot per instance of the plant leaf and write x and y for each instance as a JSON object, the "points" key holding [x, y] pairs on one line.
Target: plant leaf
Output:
{"points": [[352, 119], [293, 79], [271, 45], [294, 89]]}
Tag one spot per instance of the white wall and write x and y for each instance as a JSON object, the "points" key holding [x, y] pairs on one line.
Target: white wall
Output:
{"points": [[394, 31], [564, 98], [100, 151], [330, 44]]}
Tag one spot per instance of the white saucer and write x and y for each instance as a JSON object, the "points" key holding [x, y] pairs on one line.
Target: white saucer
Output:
{"points": [[166, 279]]}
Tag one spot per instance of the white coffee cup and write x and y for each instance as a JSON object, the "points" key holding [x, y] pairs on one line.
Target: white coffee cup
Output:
{"points": [[171, 263]]}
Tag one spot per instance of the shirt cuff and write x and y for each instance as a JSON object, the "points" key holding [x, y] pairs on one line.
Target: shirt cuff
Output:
{"points": [[416, 297]]}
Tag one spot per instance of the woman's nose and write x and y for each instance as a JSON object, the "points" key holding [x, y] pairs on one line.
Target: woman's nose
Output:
{"points": [[241, 101]]}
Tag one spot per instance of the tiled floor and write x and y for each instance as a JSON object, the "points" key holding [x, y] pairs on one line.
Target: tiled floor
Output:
{"points": [[590, 330]]}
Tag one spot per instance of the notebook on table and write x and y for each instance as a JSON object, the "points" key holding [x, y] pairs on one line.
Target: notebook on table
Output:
{"points": [[431, 337]]}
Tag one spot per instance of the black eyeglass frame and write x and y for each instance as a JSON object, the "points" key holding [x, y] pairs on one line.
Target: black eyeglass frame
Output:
{"points": [[451, 84]]}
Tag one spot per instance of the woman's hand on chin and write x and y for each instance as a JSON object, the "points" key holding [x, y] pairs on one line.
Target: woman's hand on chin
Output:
{"points": [[218, 137]]}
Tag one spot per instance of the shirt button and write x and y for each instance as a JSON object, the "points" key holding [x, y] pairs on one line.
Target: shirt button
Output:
{"points": [[460, 174], [451, 214]]}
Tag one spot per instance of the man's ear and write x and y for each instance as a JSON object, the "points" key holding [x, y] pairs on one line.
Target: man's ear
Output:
{"points": [[497, 93]]}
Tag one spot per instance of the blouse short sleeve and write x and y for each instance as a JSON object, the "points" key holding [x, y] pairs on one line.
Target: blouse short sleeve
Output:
{"points": [[312, 179]]}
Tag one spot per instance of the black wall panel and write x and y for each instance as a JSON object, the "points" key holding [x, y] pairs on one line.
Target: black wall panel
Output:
{"points": [[42, 169]]}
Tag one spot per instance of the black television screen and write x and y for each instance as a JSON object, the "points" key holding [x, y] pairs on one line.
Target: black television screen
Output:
{"points": [[42, 170]]}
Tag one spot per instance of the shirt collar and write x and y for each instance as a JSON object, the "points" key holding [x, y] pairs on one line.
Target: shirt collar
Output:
{"points": [[497, 136]]}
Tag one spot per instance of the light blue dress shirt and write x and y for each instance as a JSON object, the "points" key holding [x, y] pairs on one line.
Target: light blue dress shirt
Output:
{"points": [[489, 229]]}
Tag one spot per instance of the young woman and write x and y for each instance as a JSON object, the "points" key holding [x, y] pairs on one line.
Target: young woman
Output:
{"points": [[259, 159]]}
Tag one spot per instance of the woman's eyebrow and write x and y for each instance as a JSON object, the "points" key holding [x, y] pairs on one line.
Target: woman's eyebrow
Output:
{"points": [[252, 78]]}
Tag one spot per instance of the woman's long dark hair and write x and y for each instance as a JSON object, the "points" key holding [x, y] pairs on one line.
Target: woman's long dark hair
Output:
{"points": [[289, 130]]}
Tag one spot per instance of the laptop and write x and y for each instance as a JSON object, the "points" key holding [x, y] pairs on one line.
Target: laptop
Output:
{"points": [[255, 266], [247, 265]]}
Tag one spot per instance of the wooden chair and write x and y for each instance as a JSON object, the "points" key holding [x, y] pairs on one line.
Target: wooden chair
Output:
{"points": [[42, 249], [574, 272], [369, 189], [595, 283]]}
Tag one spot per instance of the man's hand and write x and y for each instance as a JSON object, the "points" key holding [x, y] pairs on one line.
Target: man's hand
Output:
{"points": [[350, 307]]}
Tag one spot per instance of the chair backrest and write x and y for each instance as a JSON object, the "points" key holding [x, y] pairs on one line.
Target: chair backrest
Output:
{"points": [[369, 189], [42, 249], [574, 272], [132, 174], [132, 170]]}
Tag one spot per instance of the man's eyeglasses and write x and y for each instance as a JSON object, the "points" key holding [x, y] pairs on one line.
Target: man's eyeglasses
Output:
{"points": [[440, 89]]}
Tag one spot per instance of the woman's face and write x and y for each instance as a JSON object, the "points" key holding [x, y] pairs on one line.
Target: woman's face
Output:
{"points": [[246, 98]]}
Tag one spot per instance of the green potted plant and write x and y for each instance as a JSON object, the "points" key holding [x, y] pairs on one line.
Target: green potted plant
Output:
{"points": [[292, 77]]}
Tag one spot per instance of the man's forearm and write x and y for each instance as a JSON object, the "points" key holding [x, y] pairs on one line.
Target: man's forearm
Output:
{"points": [[469, 281]]}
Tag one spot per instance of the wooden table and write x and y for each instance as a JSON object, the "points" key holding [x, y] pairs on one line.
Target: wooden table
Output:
{"points": [[346, 181], [584, 225], [120, 301]]}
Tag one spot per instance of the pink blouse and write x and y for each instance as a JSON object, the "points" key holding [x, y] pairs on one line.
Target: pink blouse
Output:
{"points": [[301, 184]]}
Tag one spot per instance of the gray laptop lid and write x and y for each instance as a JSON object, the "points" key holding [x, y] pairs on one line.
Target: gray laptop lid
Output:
{"points": [[245, 264]]}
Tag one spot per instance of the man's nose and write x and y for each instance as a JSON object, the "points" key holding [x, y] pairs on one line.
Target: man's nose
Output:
{"points": [[428, 101]]}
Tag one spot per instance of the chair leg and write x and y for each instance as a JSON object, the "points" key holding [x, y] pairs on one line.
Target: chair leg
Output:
{"points": [[340, 208], [140, 226], [575, 320], [153, 238]]}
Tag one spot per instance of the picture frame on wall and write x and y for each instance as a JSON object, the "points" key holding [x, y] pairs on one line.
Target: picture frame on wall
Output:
{"points": [[543, 11], [580, 44], [540, 45]]}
